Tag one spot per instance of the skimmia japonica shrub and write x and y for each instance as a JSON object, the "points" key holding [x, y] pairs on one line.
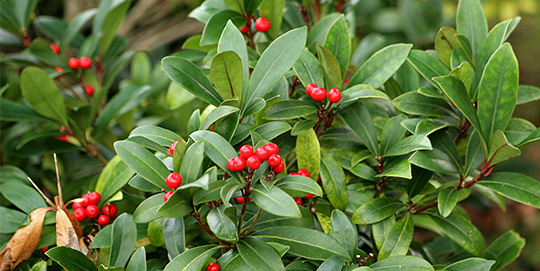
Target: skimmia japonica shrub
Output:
{"points": [[303, 157]]}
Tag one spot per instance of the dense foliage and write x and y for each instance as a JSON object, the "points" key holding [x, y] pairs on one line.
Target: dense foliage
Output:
{"points": [[281, 143]]}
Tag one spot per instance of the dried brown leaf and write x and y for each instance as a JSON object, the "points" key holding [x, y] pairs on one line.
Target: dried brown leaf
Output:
{"points": [[66, 236]]}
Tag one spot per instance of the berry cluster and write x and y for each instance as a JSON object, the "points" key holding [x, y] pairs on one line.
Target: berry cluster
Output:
{"points": [[173, 181], [253, 159], [302, 172], [83, 63], [87, 208], [261, 24], [319, 93]]}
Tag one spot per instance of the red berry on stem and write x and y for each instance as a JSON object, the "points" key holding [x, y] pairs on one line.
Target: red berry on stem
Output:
{"points": [[63, 138], [272, 148], [262, 24], [58, 69], [279, 168], [85, 201], [92, 211], [334, 95], [231, 164], [298, 201], [94, 198], [274, 160], [110, 209], [79, 214], [318, 94], [262, 153], [167, 195], [89, 90], [240, 200], [85, 62], [310, 195], [73, 63], [309, 88], [55, 48], [239, 163], [44, 249], [76, 205], [303, 172], [173, 146], [213, 267], [293, 173], [174, 180], [244, 29], [253, 162], [103, 220], [246, 151]]}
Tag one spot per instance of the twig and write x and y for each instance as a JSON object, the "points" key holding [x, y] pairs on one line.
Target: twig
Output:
{"points": [[43, 195], [253, 223], [59, 187]]}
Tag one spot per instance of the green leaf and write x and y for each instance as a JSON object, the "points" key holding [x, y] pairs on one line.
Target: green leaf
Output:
{"points": [[402, 263], [308, 69], [443, 158], [514, 186], [392, 132], [475, 154], [500, 149], [398, 167], [505, 249], [408, 145], [192, 259], [259, 255], [157, 134], [154, 232], [43, 95], [357, 92], [21, 195], [114, 176], [141, 69], [302, 127], [417, 104], [381, 66], [471, 22], [272, 130], [71, 259], [289, 109], [143, 162], [214, 27], [364, 171], [359, 120], [366, 47], [306, 243], [103, 238], [497, 92], [124, 236], [18, 112], [462, 232], [344, 231], [192, 162], [380, 230], [447, 200], [217, 149], [273, 11], [299, 183], [376, 210], [274, 62], [140, 183], [147, 210], [114, 18], [275, 201], [427, 65], [138, 260], [232, 40], [332, 263], [338, 42], [334, 182], [176, 206], [174, 230], [330, 65], [308, 153], [471, 264], [445, 42], [222, 225], [227, 75], [399, 238], [527, 94], [190, 77], [518, 130], [76, 25], [11, 220]]}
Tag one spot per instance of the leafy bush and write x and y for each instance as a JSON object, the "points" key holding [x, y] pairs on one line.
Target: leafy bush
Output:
{"points": [[270, 171]]}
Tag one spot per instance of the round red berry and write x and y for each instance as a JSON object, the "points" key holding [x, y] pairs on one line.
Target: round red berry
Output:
{"points": [[173, 146], [239, 163], [253, 162], [77, 205], [79, 214], [274, 160], [262, 24], [310, 195], [298, 201], [167, 195], [55, 48], [94, 198], [44, 249], [110, 209], [240, 200], [309, 88], [85, 62], [92, 211], [279, 168], [103, 220], [246, 151], [272, 148], [262, 153], [63, 138], [293, 174], [244, 29], [85, 202], [334, 95], [73, 63], [89, 90], [303, 172], [58, 69], [318, 94], [213, 267], [174, 180], [231, 164]]}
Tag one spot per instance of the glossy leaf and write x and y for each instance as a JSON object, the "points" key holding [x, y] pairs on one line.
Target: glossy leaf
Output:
{"points": [[443, 158], [232, 40], [308, 153], [417, 104], [23, 196], [216, 148], [124, 236], [402, 263], [514, 186], [289, 109], [215, 25], [359, 120], [272, 130], [332, 263], [11, 220], [308, 69], [71, 259], [157, 134], [259, 255], [527, 94], [471, 22], [380, 230], [76, 25], [427, 65], [392, 132], [398, 167], [338, 42], [175, 233], [505, 249], [275, 202], [114, 176], [447, 200], [333, 181], [176, 206], [376, 210], [408, 145], [111, 22], [399, 238], [344, 231], [471, 264], [500, 149], [138, 261], [192, 259], [318, 32], [330, 65], [444, 44], [300, 184], [221, 225], [147, 210], [462, 231], [273, 11], [227, 75]]}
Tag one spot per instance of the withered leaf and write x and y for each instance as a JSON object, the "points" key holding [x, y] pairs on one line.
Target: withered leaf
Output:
{"points": [[66, 236]]}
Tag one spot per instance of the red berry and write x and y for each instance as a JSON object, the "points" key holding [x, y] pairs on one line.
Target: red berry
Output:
{"points": [[63, 138], [89, 90], [309, 88], [79, 214], [94, 198], [240, 200], [55, 48], [262, 153], [262, 24], [44, 249], [244, 29], [347, 82], [167, 195], [298, 201], [174, 180], [76, 205], [110, 209], [85, 201], [279, 168], [272, 148], [73, 63], [303, 172], [58, 69], [334, 95], [293, 174], [92, 211], [310, 195], [318, 94], [173, 147], [231, 164], [213, 267], [274, 160], [239, 163], [253, 162], [85, 62], [246, 151], [103, 220]]}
